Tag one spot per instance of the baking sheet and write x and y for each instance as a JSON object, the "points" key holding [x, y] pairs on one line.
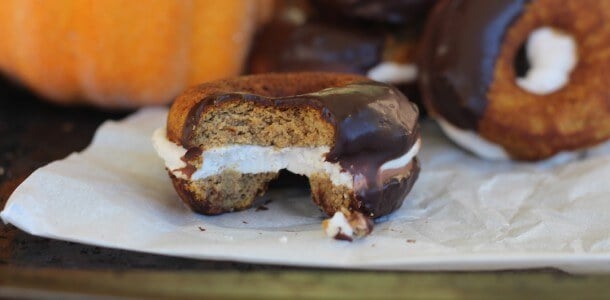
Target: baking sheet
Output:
{"points": [[463, 213]]}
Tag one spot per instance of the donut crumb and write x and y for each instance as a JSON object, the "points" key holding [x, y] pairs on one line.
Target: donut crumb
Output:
{"points": [[347, 226]]}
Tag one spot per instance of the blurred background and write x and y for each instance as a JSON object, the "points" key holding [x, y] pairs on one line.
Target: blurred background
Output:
{"points": [[119, 54]]}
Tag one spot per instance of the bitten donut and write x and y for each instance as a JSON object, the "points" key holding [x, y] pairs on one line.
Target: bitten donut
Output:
{"points": [[519, 79], [355, 139]]}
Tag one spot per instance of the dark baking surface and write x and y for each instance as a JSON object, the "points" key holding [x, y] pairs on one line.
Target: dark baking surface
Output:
{"points": [[34, 133]]}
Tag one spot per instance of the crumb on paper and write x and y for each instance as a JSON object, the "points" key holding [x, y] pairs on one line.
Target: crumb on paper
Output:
{"points": [[410, 241], [262, 207], [346, 226], [244, 222], [201, 228]]}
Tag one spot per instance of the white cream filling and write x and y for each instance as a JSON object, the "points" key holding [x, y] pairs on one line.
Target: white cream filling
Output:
{"points": [[476, 144], [258, 159], [403, 160], [472, 142], [552, 56], [168, 151], [251, 159], [394, 73]]}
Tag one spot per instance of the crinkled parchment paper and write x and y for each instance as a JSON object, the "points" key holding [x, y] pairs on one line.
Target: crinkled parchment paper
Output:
{"points": [[463, 214]]}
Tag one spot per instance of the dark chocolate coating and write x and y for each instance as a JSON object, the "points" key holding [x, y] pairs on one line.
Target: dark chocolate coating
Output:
{"points": [[395, 12], [392, 189], [462, 41], [374, 124], [191, 154], [285, 47]]}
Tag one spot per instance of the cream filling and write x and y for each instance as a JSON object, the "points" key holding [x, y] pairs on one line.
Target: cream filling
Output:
{"points": [[476, 144], [258, 159], [393, 73], [472, 142], [403, 160], [552, 56], [168, 151]]}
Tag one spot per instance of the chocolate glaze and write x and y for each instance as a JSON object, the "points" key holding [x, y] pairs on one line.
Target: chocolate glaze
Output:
{"points": [[395, 188], [374, 124], [191, 154], [396, 12], [314, 46], [374, 129], [462, 41]]}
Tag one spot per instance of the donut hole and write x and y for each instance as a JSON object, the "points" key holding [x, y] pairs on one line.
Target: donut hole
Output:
{"points": [[551, 56], [521, 64]]}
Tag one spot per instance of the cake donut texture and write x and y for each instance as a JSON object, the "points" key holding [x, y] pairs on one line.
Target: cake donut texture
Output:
{"points": [[355, 139], [519, 79]]}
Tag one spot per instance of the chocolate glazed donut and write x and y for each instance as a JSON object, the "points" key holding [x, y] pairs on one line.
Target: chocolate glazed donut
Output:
{"points": [[365, 124], [318, 46], [469, 79]]}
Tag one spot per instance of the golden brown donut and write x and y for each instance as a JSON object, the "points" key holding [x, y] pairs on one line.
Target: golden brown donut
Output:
{"points": [[470, 76]]}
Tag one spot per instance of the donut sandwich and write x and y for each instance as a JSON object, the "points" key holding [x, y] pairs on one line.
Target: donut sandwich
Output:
{"points": [[355, 139]]}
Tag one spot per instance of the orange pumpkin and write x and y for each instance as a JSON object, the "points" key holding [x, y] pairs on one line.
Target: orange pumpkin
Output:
{"points": [[123, 53]]}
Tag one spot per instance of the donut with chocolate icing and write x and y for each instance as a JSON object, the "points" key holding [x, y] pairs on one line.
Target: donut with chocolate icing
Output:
{"points": [[518, 79], [355, 139], [319, 46]]}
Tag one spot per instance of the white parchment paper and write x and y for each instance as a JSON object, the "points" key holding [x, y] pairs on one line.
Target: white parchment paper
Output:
{"points": [[463, 214]]}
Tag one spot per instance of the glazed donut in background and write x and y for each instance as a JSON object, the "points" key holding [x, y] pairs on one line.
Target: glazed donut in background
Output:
{"points": [[518, 79], [378, 39], [320, 46], [355, 139]]}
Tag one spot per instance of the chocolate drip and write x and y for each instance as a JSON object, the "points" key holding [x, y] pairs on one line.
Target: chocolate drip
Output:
{"points": [[378, 126], [461, 44], [374, 124], [188, 170], [191, 154]]}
